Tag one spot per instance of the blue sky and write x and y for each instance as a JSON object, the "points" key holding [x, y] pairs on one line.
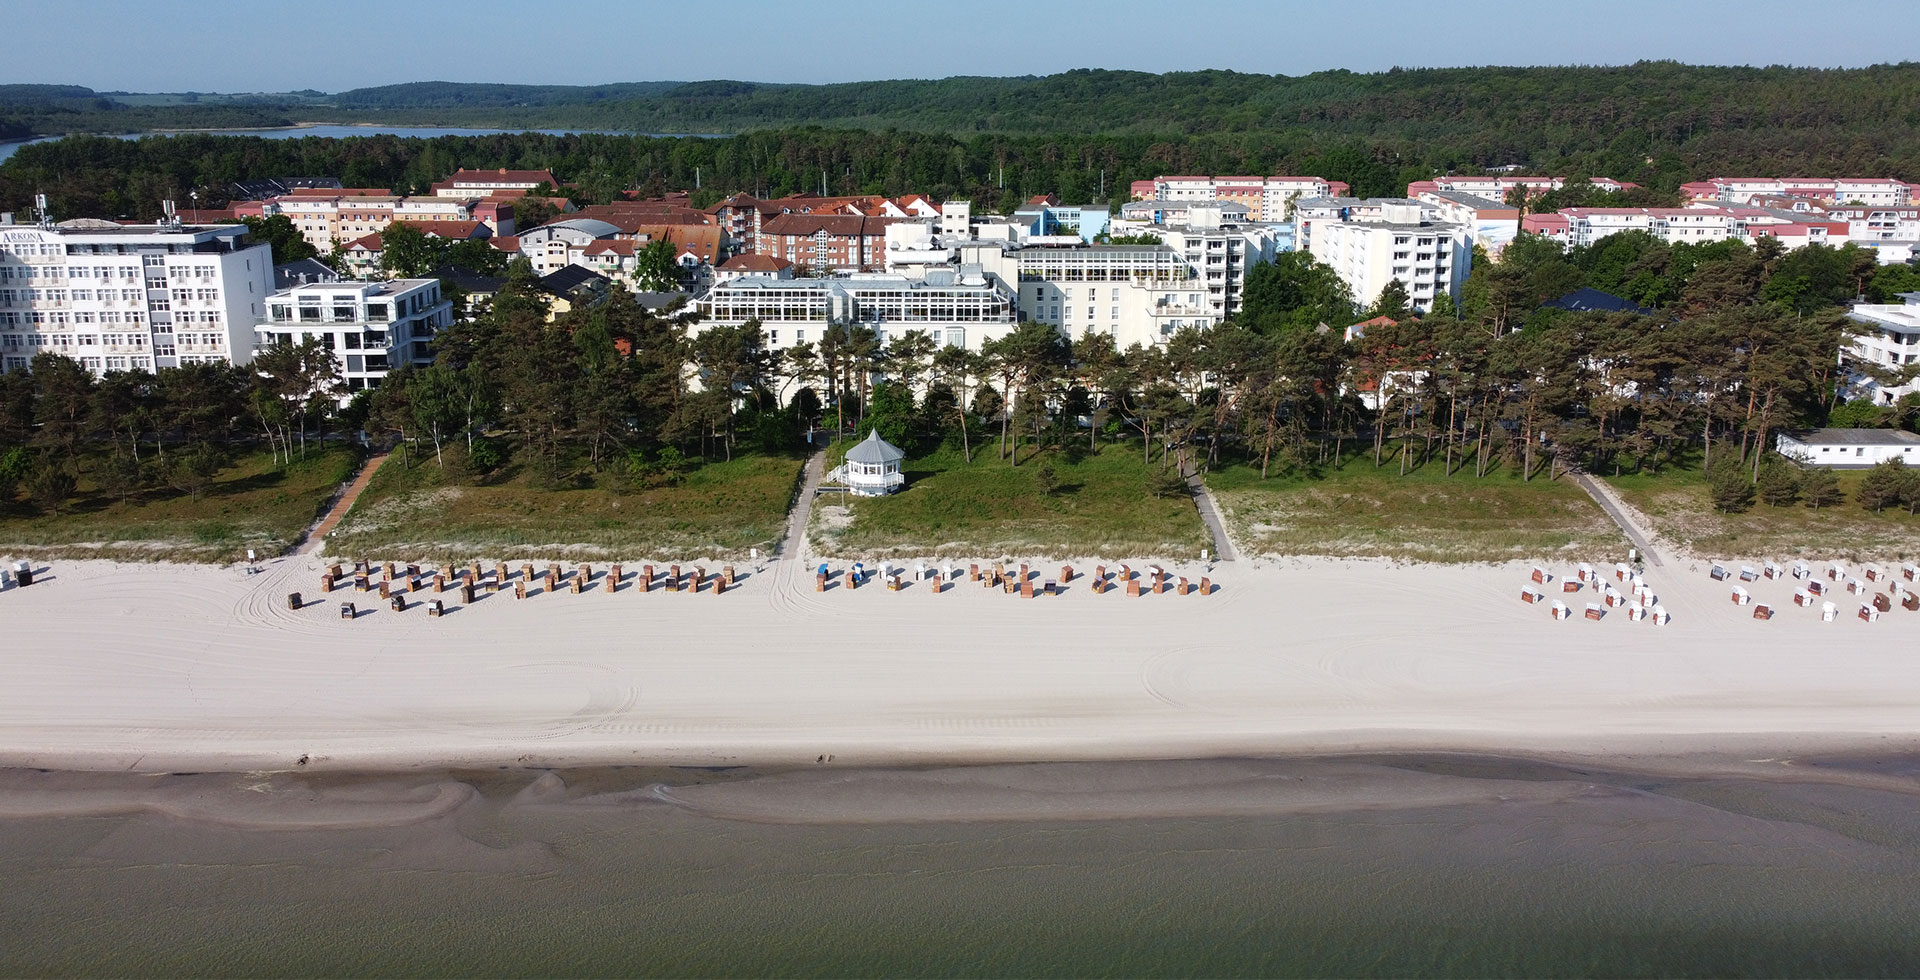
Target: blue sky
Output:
{"points": [[264, 45]]}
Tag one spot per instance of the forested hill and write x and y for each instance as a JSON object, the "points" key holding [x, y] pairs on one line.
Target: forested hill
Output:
{"points": [[1080, 134], [1521, 107]]}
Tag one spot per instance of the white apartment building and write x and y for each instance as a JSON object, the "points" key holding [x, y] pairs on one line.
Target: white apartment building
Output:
{"points": [[1828, 190], [1869, 223], [961, 307], [1138, 294], [371, 327], [129, 297], [1385, 241], [1697, 224], [1265, 198], [1889, 339], [326, 219], [1498, 187], [490, 183]]}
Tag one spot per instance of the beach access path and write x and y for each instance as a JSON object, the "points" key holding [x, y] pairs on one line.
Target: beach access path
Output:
{"points": [[157, 667], [1603, 495], [1210, 515], [316, 536]]}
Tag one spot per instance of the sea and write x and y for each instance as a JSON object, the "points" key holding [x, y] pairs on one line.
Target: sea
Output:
{"points": [[7, 149], [1432, 866]]}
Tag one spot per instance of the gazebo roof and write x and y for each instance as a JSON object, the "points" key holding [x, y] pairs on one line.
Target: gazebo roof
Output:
{"points": [[874, 450]]}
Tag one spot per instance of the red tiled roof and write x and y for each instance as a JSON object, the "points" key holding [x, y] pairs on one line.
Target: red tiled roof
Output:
{"points": [[450, 229], [616, 246], [369, 243], [755, 262], [505, 243], [848, 225]]}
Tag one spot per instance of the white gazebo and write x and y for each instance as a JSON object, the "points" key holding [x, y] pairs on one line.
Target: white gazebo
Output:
{"points": [[872, 468]]}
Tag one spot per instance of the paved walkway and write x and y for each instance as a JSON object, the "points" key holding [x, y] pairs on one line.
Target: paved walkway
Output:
{"points": [[791, 543], [1210, 515], [316, 535], [1603, 495]]}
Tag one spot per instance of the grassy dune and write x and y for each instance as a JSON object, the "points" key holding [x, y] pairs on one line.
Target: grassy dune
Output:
{"points": [[251, 504], [718, 509], [1100, 507], [1363, 510]]}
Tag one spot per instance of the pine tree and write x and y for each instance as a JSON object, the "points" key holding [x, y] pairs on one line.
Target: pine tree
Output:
{"points": [[1728, 486], [1882, 485], [1821, 488], [1779, 482]]}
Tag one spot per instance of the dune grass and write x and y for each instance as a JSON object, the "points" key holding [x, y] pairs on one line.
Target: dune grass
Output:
{"points": [[1100, 507], [1360, 510], [719, 509], [251, 504], [1675, 502]]}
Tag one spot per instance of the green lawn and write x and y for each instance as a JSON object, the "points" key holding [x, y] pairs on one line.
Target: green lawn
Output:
{"points": [[252, 504], [716, 510], [1360, 510], [1100, 508], [1675, 503]]}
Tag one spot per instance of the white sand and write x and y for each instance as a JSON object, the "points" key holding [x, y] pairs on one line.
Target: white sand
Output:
{"points": [[157, 667]]}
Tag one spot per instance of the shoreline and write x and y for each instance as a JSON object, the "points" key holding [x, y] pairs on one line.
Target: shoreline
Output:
{"points": [[971, 793], [170, 668]]}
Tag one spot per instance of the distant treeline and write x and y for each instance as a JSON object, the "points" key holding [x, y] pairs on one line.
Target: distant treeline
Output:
{"points": [[1657, 123]]}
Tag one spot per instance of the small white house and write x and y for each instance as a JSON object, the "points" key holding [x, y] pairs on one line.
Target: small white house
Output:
{"points": [[872, 468], [1841, 448]]}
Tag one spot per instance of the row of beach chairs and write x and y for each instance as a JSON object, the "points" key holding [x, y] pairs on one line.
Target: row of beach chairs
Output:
{"points": [[1026, 582], [475, 579]]}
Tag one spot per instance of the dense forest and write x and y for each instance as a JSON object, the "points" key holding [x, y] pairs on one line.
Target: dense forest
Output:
{"points": [[1658, 123]]}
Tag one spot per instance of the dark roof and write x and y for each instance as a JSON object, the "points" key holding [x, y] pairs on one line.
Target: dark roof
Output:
{"points": [[469, 280], [290, 274], [573, 277], [259, 189], [660, 301], [1857, 437], [1588, 300]]}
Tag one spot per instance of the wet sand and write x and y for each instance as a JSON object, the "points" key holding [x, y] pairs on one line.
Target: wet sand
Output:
{"points": [[1405, 865]]}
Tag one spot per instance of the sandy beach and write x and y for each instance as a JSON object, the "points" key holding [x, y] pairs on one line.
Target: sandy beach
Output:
{"points": [[170, 667]]}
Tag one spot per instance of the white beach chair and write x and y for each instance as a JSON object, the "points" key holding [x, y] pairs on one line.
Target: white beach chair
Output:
{"points": [[1636, 613], [1740, 596], [1560, 610], [1660, 617], [1829, 612]]}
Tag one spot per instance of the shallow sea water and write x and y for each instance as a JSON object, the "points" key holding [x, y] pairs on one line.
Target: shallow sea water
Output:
{"points": [[1535, 870]]}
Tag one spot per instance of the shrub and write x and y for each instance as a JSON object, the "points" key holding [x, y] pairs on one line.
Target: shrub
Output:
{"points": [[1779, 482], [1821, 488], [1728, 486], [1885, 484]]}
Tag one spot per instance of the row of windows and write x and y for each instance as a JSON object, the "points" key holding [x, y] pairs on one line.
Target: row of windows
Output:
{"points": [[61, 341], [99, 364], [58, 318]]}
